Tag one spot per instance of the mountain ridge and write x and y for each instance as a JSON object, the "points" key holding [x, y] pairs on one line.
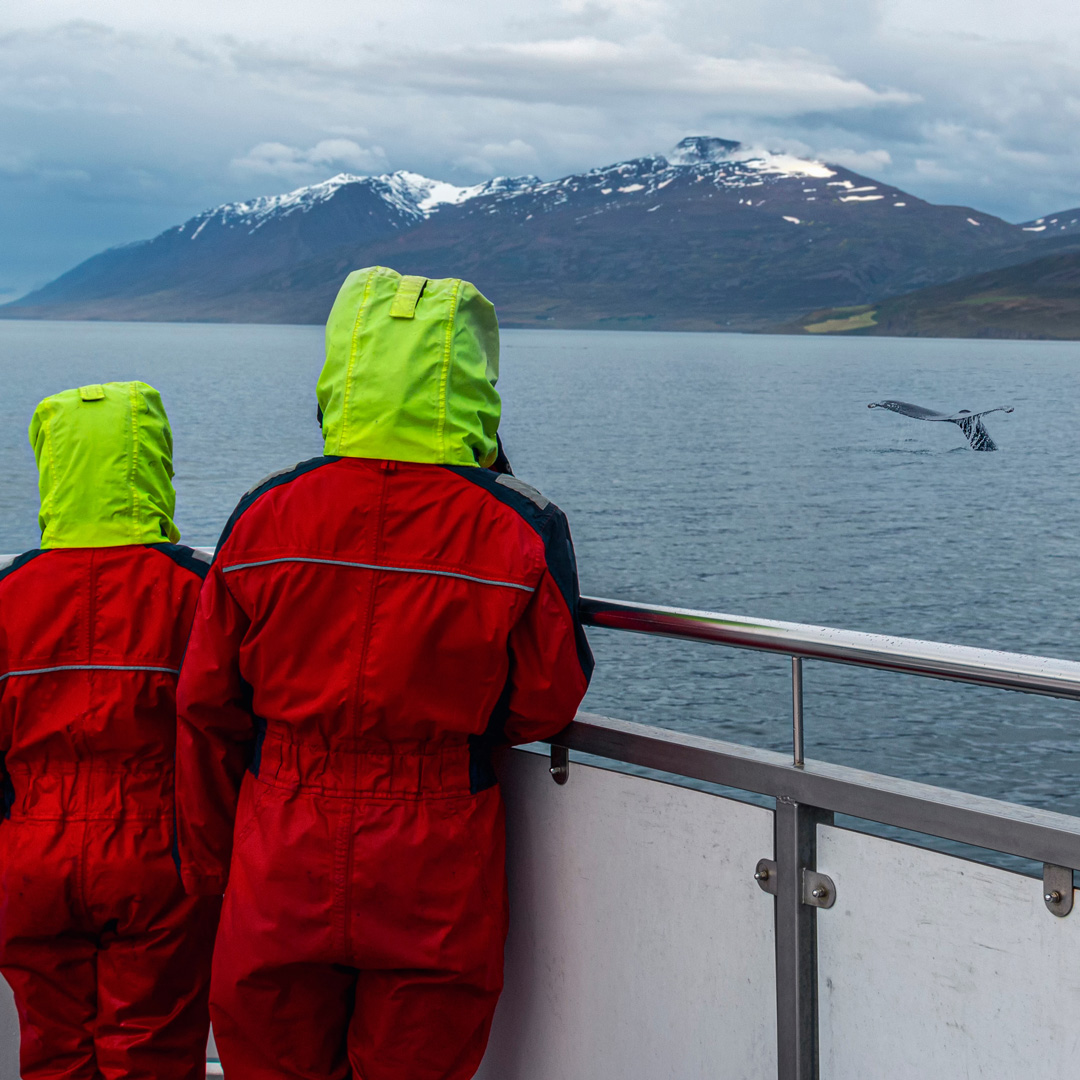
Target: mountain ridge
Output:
{"points": [[711, 236]]}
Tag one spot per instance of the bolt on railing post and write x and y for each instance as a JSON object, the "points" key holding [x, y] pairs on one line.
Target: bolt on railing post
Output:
{"points": [[796, 712]]}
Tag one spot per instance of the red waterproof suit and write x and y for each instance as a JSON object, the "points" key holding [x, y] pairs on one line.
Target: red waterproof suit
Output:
{"points": [[106, 954], [369, 630]]}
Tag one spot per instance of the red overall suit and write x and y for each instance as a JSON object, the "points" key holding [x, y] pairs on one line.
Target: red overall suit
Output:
{"points": [[370, 630], [107, 957]]}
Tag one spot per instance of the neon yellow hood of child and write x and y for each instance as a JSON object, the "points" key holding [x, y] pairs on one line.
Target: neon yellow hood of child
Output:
{"points": [[410, 373], [104, 457]]}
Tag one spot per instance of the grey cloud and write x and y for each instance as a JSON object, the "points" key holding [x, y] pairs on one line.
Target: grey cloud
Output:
{"points": [[110, 134], [596, 70], [297, 164]]}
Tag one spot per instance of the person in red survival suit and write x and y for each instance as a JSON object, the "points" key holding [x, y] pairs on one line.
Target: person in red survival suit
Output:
{"points": [[108, 957], [374, 623]]}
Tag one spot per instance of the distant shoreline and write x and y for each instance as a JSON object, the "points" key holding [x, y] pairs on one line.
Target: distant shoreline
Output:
{"points": [[782, 330]]}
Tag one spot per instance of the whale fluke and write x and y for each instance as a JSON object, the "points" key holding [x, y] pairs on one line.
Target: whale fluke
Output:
{"points": [[968, 422]]}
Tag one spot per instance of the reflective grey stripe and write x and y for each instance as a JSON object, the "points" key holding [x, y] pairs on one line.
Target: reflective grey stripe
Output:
{"points": [[374, 566], [90, 667], [514, 484]]}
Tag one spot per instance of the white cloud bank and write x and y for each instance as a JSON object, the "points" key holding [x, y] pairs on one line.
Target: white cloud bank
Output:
{"points": [[603, 72], [294, 164]]}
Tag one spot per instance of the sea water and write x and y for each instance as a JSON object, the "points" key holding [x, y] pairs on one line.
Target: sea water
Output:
{"points": [[742, 474]]}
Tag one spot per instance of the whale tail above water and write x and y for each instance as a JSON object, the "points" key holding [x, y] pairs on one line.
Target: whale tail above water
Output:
{"points": [[968, 422]]}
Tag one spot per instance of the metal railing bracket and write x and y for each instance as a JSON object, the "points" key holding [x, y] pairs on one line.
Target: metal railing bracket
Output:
{"points": [[1058, 889], [765, 875], [818, 890], [560, 764]]}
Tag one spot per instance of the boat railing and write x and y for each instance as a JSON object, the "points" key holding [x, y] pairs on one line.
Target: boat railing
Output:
{"points": [[667, 931], [808, 795], [910, 656]]}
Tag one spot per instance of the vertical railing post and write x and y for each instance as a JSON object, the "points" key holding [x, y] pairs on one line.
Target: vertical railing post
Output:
{"points": [[796, 712], [796, 941]]}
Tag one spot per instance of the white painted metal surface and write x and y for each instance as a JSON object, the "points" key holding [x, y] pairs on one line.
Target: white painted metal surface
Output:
{"points": [[931, 966], [640, 945]]}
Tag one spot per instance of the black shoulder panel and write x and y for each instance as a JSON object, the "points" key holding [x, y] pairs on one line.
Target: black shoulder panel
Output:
{"points": [[20, 561], [512, 492], [274, 480], [188, 558], [551, 526], [562, 565]]}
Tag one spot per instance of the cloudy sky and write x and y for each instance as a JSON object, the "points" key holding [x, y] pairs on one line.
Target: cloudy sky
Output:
{"points": [[119, 118]]}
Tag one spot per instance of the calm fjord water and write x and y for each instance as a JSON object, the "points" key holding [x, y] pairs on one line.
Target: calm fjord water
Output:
{"points": [[742, 474]]}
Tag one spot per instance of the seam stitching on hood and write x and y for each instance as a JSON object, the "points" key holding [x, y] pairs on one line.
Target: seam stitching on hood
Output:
{"points": [[353, 346], [133, 401], [444, 374], [52, 467]]}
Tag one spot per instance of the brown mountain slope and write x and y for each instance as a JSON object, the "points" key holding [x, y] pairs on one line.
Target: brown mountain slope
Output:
{"points": [[1036, 299]]}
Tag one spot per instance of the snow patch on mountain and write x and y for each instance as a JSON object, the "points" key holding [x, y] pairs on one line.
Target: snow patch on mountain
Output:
{"points": [[410, 194], [1067, 221], [786, 165], [416, 192], [256, 211], [707, 149]]}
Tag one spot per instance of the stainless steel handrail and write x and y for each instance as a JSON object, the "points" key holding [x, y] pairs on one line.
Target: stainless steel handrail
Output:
{"points": [[932, 659]]}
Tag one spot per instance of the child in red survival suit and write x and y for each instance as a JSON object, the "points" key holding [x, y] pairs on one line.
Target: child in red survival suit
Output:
{"points": [[375, 622], [108, 958]]}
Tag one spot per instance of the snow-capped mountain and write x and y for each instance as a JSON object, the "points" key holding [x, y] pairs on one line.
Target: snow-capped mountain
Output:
{"points": [[407, 198], [711, 235]]}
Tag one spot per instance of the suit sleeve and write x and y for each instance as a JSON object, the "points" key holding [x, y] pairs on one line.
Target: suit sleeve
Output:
{"points": [[551, 659], [214, 738]]}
